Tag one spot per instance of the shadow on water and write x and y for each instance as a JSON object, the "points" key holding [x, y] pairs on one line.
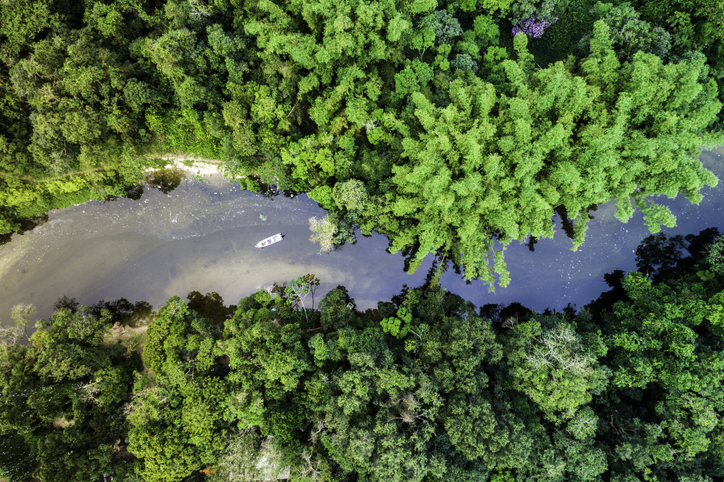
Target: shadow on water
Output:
{"points": [[660, 257], [408, 254], [165, 180], [270, 191], [502, 313], [121, 310], [253, 183], [210, 306], [26, 224], [567, 224], [135, 193]]}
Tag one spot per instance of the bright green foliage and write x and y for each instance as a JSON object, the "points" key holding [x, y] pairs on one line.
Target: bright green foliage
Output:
{"points": [[422, 121], [399, 325], [350, 195], [484, 168], [694, 27], [311, 158], [715, 258]]}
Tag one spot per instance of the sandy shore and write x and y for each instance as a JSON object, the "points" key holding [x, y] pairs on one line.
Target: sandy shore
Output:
{"points": [[193, 165]]}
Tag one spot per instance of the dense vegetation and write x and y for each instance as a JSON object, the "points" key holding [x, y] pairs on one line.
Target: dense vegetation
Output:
{"points": [[424, 120], [428, 121], [422, 388]]}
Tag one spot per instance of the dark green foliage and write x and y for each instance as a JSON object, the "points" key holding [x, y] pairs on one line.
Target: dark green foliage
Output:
{"points": [[62, 396], [630, 33], [16, 463], [446, 27], [177, 419], [664, 349], [210, 306]]}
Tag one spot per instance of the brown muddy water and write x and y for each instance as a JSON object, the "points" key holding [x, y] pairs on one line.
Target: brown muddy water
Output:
{"points": [[201, 237]]}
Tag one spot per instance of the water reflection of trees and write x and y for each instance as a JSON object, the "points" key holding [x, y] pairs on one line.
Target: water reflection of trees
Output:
{"points": [[165, 180], [659, 257], [26, 224], [567, 224], [121, 310], [210, 306], [135, 192], [662, 257]]}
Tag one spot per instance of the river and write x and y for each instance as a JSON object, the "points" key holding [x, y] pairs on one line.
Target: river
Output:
{"points": [[201, 237]]}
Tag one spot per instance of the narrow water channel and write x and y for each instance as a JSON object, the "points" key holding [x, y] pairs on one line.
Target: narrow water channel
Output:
{"points": [[201, 237]]}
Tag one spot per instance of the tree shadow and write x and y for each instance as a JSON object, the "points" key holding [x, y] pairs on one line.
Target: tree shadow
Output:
{"points": [[211, 306], [26, 224], [567, 223], [165, 180], [121, 310]]}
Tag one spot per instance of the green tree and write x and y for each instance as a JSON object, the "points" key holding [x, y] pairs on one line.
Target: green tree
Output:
{"points": [[631, 34], [63, 391], [654, 342], [554, 366], [659, 416], [483, 169], [177, 421]]}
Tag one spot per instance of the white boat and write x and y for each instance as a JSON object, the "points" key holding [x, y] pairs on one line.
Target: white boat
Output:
{"points": [[270, 240]]}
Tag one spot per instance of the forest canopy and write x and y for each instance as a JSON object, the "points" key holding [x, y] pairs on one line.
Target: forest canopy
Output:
{"points": [[425, 387], [427, 121], [452, 127]]}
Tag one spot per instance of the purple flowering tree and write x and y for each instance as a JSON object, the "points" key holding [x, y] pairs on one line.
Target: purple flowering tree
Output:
{"points": [[533, 27]]}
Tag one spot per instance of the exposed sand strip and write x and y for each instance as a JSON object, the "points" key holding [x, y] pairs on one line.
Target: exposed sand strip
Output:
{"points": [[193, 165]]}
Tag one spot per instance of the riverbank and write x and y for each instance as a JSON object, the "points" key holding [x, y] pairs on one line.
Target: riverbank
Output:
{"points": [[196, 166], [27, 201]]}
